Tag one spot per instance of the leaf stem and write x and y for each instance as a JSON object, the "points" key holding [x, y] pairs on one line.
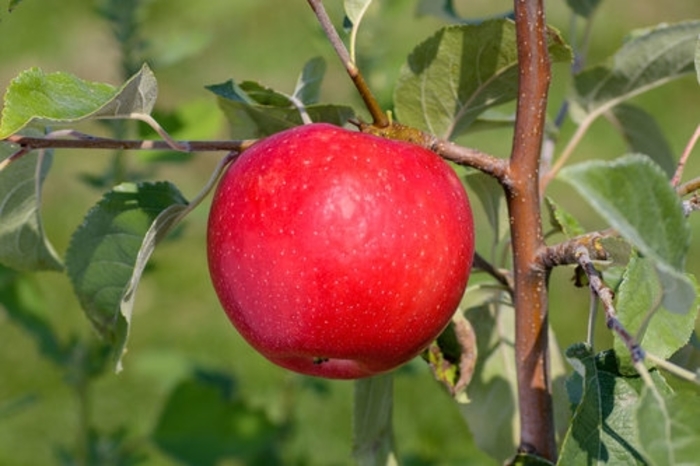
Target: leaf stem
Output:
{"points": [[675, 181], [566, 153], [379, 117], [674, 369]]}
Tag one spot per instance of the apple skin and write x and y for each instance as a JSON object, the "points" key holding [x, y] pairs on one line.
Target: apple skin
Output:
{"points": [[339, 254]]}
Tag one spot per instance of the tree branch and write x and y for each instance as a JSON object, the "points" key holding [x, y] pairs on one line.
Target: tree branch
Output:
{"points": [[523, 199], [91, 142], [379, 117]]}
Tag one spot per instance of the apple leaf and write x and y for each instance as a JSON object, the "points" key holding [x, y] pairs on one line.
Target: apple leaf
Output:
{"points": [[12, 5], [603, 429], [108, 253], [492, 411], [638, 305], [490, 194], [23, 244], [643, 135], [37, 99], [308, 88], [584, 8], [460, 72], [254, 111], [634, 196], [355, 10], [648, 59], [373, 434], [563, 221], [446, 11], [671, 430], [205, 421]]}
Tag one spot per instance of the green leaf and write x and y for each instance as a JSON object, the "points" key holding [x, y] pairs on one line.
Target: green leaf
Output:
{"points": [[355, 10], [490, 194], [648, 59], [492, 411], [460, 72], [563, 221], [205, 421], [308, 88], [373, 433], [639, 308], [446, 11], [23, 244], [644, 136], [634, 196], [13, 4], [584, 8], [669, 431], [603, 428], [109, 251], [38, 99], [254, 111]]}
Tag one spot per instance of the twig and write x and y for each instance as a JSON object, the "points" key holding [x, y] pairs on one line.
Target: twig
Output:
{"points": [[675, 181], [607, 296], [379, 117], [566, 153], [674, 369], [501, 277]]}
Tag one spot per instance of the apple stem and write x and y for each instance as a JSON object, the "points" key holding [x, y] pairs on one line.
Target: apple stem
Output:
{"points": [[379, 117]]}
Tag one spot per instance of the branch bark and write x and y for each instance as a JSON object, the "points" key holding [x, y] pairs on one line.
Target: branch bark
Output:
{"points": [[522, 195]]}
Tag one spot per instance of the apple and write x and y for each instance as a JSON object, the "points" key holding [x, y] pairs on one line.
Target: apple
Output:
{"points": [[337, 253]]}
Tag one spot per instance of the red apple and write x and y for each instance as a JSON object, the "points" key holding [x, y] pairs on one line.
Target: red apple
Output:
{"points": [[339, 254]]}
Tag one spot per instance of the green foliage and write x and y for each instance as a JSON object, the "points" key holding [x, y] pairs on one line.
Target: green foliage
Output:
{"points": [[109, 251], [632, 194], [373, 434], [584, 8], [648, 59], [644, 136], [461, 71], [254, 111], [452, 84], [603, 428], [38, 99], [640, 309], [205, 420], [671, 427], [562, 221], [23, 245]]}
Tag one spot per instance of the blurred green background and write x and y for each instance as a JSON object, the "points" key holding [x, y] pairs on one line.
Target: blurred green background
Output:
{"points": [[178, 326]]}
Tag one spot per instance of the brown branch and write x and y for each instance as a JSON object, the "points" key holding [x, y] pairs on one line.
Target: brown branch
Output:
{"points": [[522, 195], [32, 143], [379, 117], [607, 298], [566, 253], [446, 149]]}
